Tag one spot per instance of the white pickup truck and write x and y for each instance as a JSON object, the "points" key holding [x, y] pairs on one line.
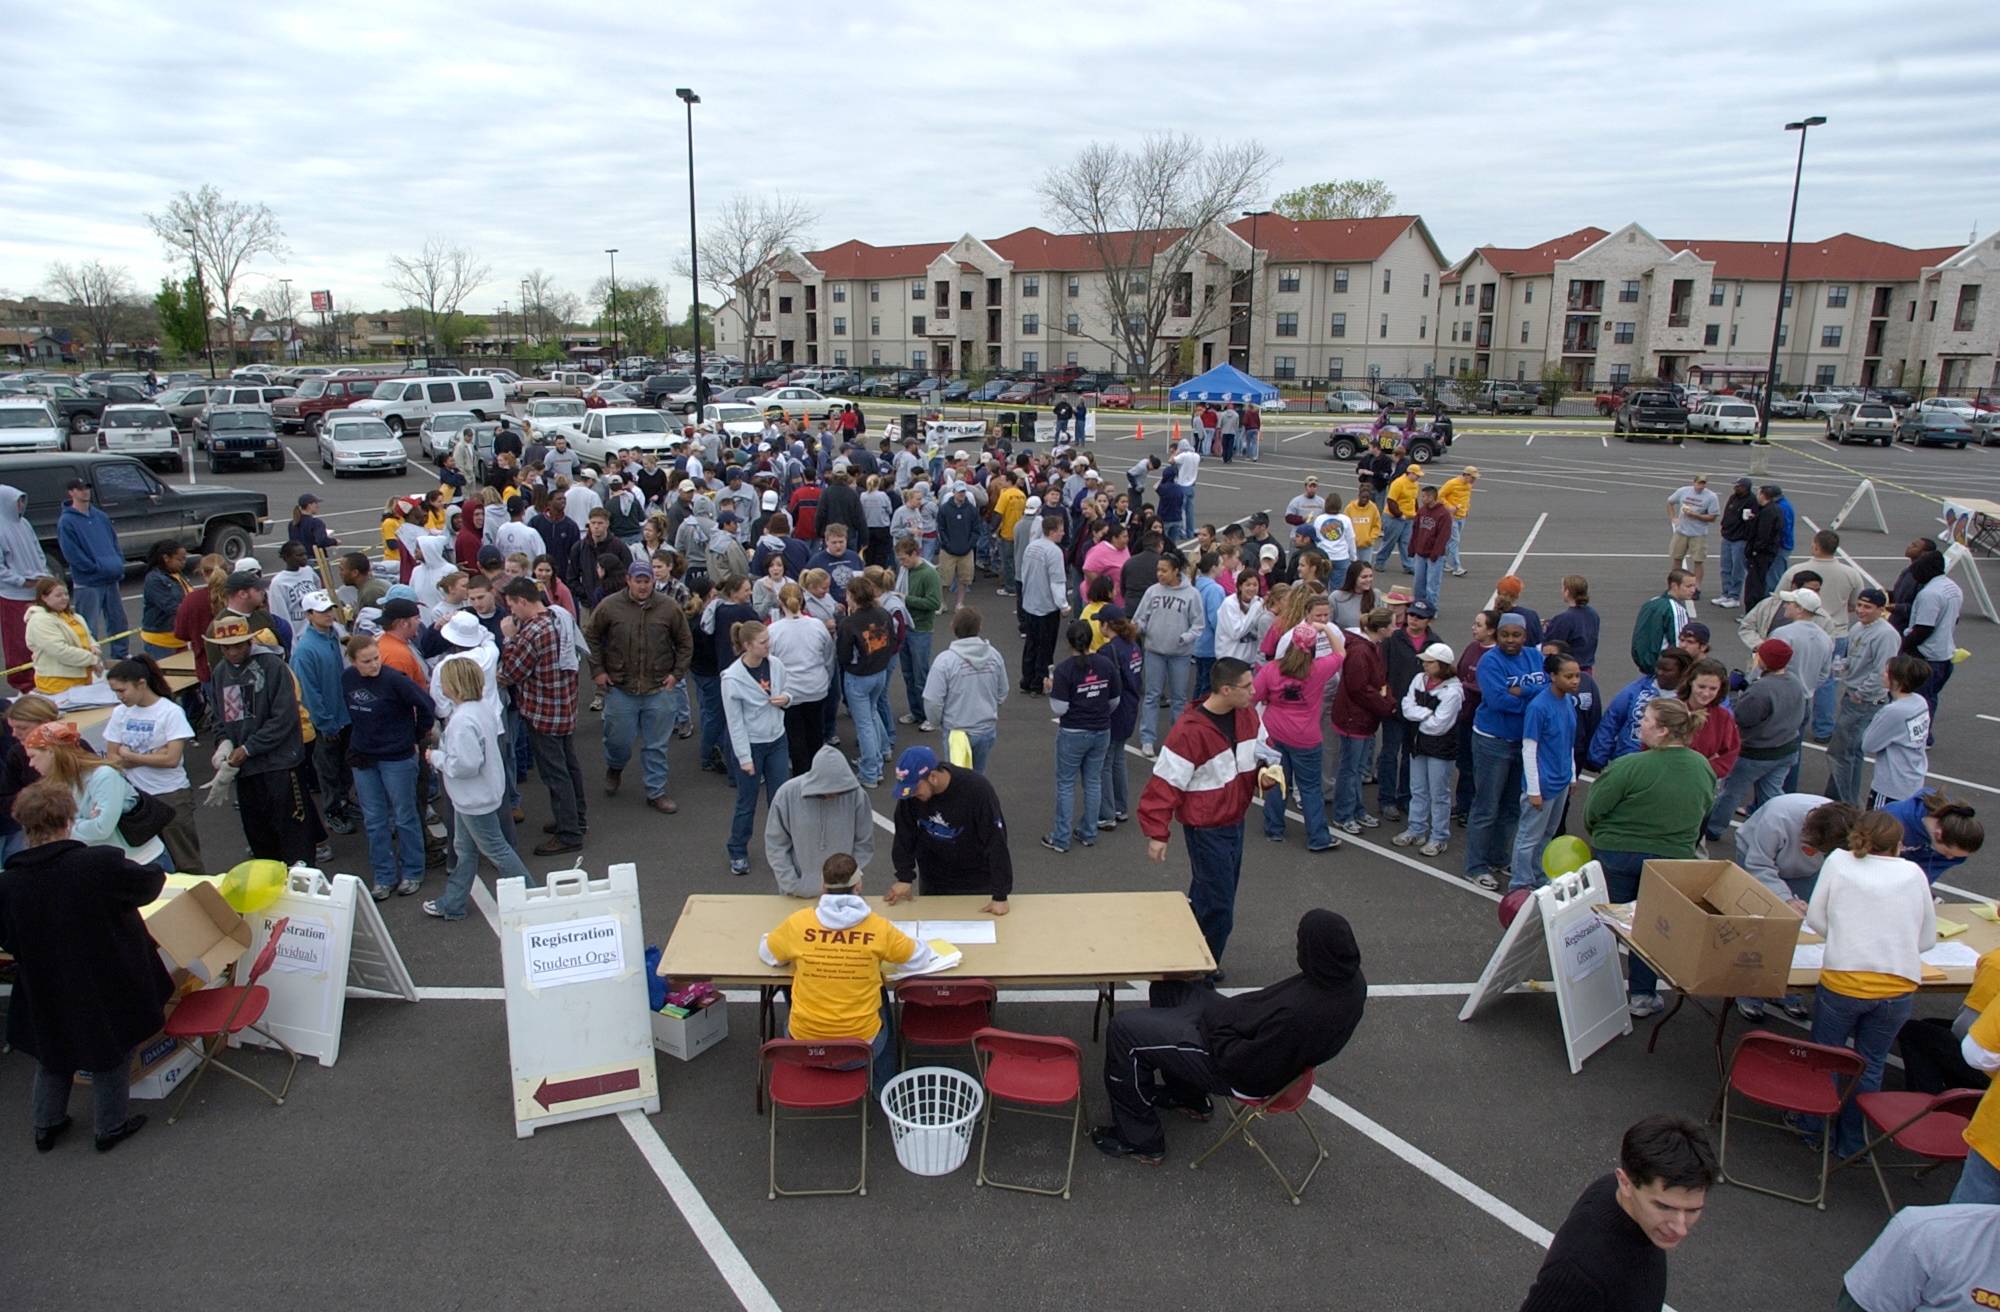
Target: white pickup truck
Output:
{"points": [[562, 382], [546, 416], [734, 419], [612, 429]]}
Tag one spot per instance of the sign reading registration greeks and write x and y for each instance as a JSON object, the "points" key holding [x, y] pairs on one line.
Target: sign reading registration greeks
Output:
{"points": [[578, 1036]]}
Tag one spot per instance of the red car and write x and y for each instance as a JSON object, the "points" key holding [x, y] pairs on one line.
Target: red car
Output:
{"points": [[1115, 397]]}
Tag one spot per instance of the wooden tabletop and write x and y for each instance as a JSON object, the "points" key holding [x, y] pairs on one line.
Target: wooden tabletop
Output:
{"points": [[1046, 938], [93, 717], [1981, 935]]}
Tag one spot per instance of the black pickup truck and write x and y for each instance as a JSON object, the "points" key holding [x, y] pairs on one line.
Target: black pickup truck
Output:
{"points": [[1653, 412], [143, 510]]}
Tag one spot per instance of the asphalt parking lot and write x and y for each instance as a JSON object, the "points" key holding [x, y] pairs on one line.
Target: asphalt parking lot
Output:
{"points": [[395, 1178]]}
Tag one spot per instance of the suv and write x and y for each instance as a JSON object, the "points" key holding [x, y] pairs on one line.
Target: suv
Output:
{"points": [[1868, 421], [241, 435], [1398, 396], [142, 509], [306, 410], [404, 403], [229, 395], [1650, 410], [1506, 398], [661, 389]]}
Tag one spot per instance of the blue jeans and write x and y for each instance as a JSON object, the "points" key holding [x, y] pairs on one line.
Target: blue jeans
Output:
{"points": [[1621, 881], [1392, 765], [678, 699], [1302, 784], [1202, 665], [1489, 833], [1430, 578], [1167, 678], [1395, 542], [1250, 440], [1430, 798], [1355, 754], [1978, 1182], [1112, 792], [1823, 697], [1760, 779], [472, 837], [874, 726], [1079, 752], [389, 807], [1733, 572], [1776, 571], [771, 766], [651, 717], [1843, 754], [99, 606], [1187, 512], [1462, 790], [1535, 827], [916, 661], [1216, 857], [881, 1055], [714, 728], [1872, 1024], [1451, 547], [982, 747]]}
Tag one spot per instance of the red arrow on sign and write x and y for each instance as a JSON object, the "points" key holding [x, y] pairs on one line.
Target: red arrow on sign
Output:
{"points": [[590, 1086]]}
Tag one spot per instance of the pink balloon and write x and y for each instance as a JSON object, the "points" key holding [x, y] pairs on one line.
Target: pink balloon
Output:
{"points": [[1510, 906]]}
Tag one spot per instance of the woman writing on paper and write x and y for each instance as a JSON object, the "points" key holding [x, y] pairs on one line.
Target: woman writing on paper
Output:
{"points": [[66, 656], [101, 792]]}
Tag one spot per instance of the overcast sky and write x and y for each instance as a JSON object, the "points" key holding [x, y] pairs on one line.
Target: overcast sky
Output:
{"points": [[537, 135]]}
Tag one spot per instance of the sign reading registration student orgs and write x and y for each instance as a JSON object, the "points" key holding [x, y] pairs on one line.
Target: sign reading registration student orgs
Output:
{"points": [[578, 1035], [1558, 933]]}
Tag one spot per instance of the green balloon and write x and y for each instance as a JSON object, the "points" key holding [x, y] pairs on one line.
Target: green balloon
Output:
{"points": [[1563, 855]]}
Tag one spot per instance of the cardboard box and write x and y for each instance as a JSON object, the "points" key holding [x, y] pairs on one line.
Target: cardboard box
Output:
{"points": [[1714, 930], [689, 1038], [158, 1065], [200, 933]]}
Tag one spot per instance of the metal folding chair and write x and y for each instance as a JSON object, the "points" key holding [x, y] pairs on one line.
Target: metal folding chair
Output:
{"points": [[1930, 1126], [1246, 1112], [812, 1075], [1039, 1070], [216, 1013], [1790, 1074]]}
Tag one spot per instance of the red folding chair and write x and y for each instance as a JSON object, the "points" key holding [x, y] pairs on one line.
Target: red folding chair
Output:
{"points": [[1039, 1070], [1791, 1075], [1930, 1126], [1244, 1114], [941, 1013], [216, 1013], [813, 1075]]}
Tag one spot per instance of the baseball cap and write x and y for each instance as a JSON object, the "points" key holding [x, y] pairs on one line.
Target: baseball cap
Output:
{"points": [[686, 485], [244, 578], [586, 473], [1513, 619], [1312, 480], [616, 480], [399, 608], [229, 630], [639, 569], [726, 517], [1697, 630], [770, 501], [308, 499], [1261, 517], [1423, 610], [463, 630], [74, 484], [1270, 552], [911, 766], [1805, 599], [1774, 654], [1874, 596], [316, 601], [490, 555], [1438, 651]]}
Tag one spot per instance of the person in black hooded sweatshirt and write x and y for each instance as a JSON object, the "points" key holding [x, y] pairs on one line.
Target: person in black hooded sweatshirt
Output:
{"points": [[1198, 1042]]}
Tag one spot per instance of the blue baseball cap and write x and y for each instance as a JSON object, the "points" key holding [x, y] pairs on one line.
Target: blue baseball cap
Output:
{"points": [[912, 766]]}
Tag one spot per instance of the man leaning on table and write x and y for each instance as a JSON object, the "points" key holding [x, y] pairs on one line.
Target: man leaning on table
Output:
{"points": [[837, 948], [950, 834]]}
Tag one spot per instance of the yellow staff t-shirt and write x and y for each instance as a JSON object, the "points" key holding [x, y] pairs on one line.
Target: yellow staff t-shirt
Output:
{"points": [[837, 973]]}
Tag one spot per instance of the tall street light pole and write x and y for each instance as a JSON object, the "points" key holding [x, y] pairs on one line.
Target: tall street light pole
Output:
{"points": [[201, 294], [1251, 313], [1784, 280], [690, 99], [285, 347], [612, 251]]}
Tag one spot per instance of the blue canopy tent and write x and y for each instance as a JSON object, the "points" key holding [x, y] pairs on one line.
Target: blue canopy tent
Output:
{"points": [[1225, 383]]}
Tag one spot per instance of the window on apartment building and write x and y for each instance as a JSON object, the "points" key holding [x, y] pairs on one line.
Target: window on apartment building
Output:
{"points": [[1423, 326], [1524, 333], [1031, 360], [1069, 357], [1622, 333], [1072, 322], [916, 291], [874, 325], [1836, 296], [1031, 284], [1140, 281], [839, 326], [874, 357], [1339, 325], [1732, 334], [1784, 333], [840, 358], [1335, 367], [1967, 313], [1823, 376], [917, 325], [1528, 293], [840, 293], [1288, 280], [1786, 298], [1830, 335], [1135, 327], [1285, 366], [1288, 324], [1031, 324], [1427, 286], [874, 291], [1340, 280], [1716, 292], [1454, 330], [1456, 292], [1520, 372], [1621, 374], [1628, 291], [1711, 335], [920, 360], [784, 305], [1930, 311], [1073, 286], [1385, 279], [1737, 301], [1383, 330]]}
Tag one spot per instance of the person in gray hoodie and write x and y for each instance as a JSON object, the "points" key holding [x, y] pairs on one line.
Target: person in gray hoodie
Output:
{"points": [[22, 561], [1782, 844], [1771, 715], [966, 685], [692, 538], [1170, 618], [814, 816]]}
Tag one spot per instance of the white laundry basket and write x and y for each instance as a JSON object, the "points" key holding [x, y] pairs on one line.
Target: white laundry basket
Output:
{"points": [[931, 1110]]}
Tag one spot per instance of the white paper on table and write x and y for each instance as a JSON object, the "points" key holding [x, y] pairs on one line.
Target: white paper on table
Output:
{"points": [[1809, 956], [951, 931], [1948, 956], [86, 695]]}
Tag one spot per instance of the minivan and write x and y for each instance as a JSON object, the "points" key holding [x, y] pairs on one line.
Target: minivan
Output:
{"points": [[404, 403]]}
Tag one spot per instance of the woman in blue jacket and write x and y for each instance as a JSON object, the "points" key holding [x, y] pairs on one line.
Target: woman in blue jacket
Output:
{"points": [[388, 715], [1938, 832]]}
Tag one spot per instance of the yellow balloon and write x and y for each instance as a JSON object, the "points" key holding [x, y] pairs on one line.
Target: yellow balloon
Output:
{"points": [[1563, 855], [253, 885]]}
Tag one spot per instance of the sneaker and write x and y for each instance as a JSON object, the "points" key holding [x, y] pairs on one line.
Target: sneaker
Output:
{"points": [[1118, 816], [906, 719], [1645, 1004], [431, 908], [925, 726], [1794, 1005], [1393, 813], [597, 703], [1432, 849], [323, 854], [1726, 603], [1487, 880], [1106, 1140], [1274, 838], [1458, 573], [409, 886], [1332, 845], [1404, 839], [557, 847], [739, 868], [1349, 826], [1146, 750], [1750, 1009], [46, 1139], [381, 893], [1002, 592], [340, 822], [1049, 842], [1367, 821], [613, 778], [132, 1126]]}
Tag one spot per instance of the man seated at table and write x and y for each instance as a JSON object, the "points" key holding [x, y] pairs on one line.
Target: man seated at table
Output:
{"points": [[950, 835], [837, 947], [1199, 1042]]}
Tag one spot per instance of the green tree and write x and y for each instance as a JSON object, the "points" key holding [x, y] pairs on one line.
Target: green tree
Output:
{"points": [[1555, 385], [1343, 198], [178, 305]]}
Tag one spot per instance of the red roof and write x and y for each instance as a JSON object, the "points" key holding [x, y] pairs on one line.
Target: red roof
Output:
{"points": [[1034, 249], [1843, 255], [1533, 260], [1330, 241], [859, 260]]}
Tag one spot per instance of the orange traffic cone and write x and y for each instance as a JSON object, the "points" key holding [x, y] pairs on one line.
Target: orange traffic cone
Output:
{"points": [[1177, 432], [1140, 435]]}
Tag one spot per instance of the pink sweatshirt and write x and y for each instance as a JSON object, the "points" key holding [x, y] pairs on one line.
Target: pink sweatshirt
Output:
{"points": [[1293, 707], [1104, 559]]}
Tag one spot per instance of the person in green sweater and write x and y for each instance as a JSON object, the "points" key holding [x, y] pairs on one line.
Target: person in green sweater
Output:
{"points": [[923, 592], [1649, 805]]}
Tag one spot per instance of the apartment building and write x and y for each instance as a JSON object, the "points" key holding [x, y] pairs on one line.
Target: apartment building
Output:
{"points": [[1334, 299], [1614, 306]]}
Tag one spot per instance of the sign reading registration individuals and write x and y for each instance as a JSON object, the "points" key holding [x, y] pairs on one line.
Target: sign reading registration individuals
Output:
{"points": [[572, 953]]}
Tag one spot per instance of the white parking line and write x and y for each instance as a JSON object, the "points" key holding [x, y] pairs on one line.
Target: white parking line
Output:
{"points": [[449, 994], [310, 471], [722, 1250]]}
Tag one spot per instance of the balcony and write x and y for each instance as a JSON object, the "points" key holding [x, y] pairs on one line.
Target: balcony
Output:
{"points": [[1486, 299], [1677, 321], [1588, 301], [1580, 343], [1485, 336]]}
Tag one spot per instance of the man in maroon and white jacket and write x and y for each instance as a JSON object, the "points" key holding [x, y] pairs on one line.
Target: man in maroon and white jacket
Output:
{"points": [[1206, 776]]}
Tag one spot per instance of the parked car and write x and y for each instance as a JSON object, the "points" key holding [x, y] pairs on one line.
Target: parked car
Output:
{"points": [[1724, 417], [769, 372], [563, 382], [262, 396], [441, 430], [306, 409], [142, 430], [77, 408], [1820, 403], [1893, 396], [1028, 393], [1397, 396], [1426, 444], [1350, 402], [1862, 421], [183, 403], [404, 403], [1506, 398], [29, 423], [957, 390], [1921, 427], [989, 390], [241, 435], [1956, 405], [669, 390], [1788, 407], [795, 401], [548, 415], [1652, 411], [142, 509], [607, 432], [735, 418], [351, 443], [738, 395], [881, 385], [612, 394], [924, 389], [1986, 428], [1115, 396]]}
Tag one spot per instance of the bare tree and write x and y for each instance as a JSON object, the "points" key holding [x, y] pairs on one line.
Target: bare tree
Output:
{"points": [[544, 304], [741, 244], [100, 297], [436, 281], [1343, 198], [224, 235], [1149, 214], [280, 305]]}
